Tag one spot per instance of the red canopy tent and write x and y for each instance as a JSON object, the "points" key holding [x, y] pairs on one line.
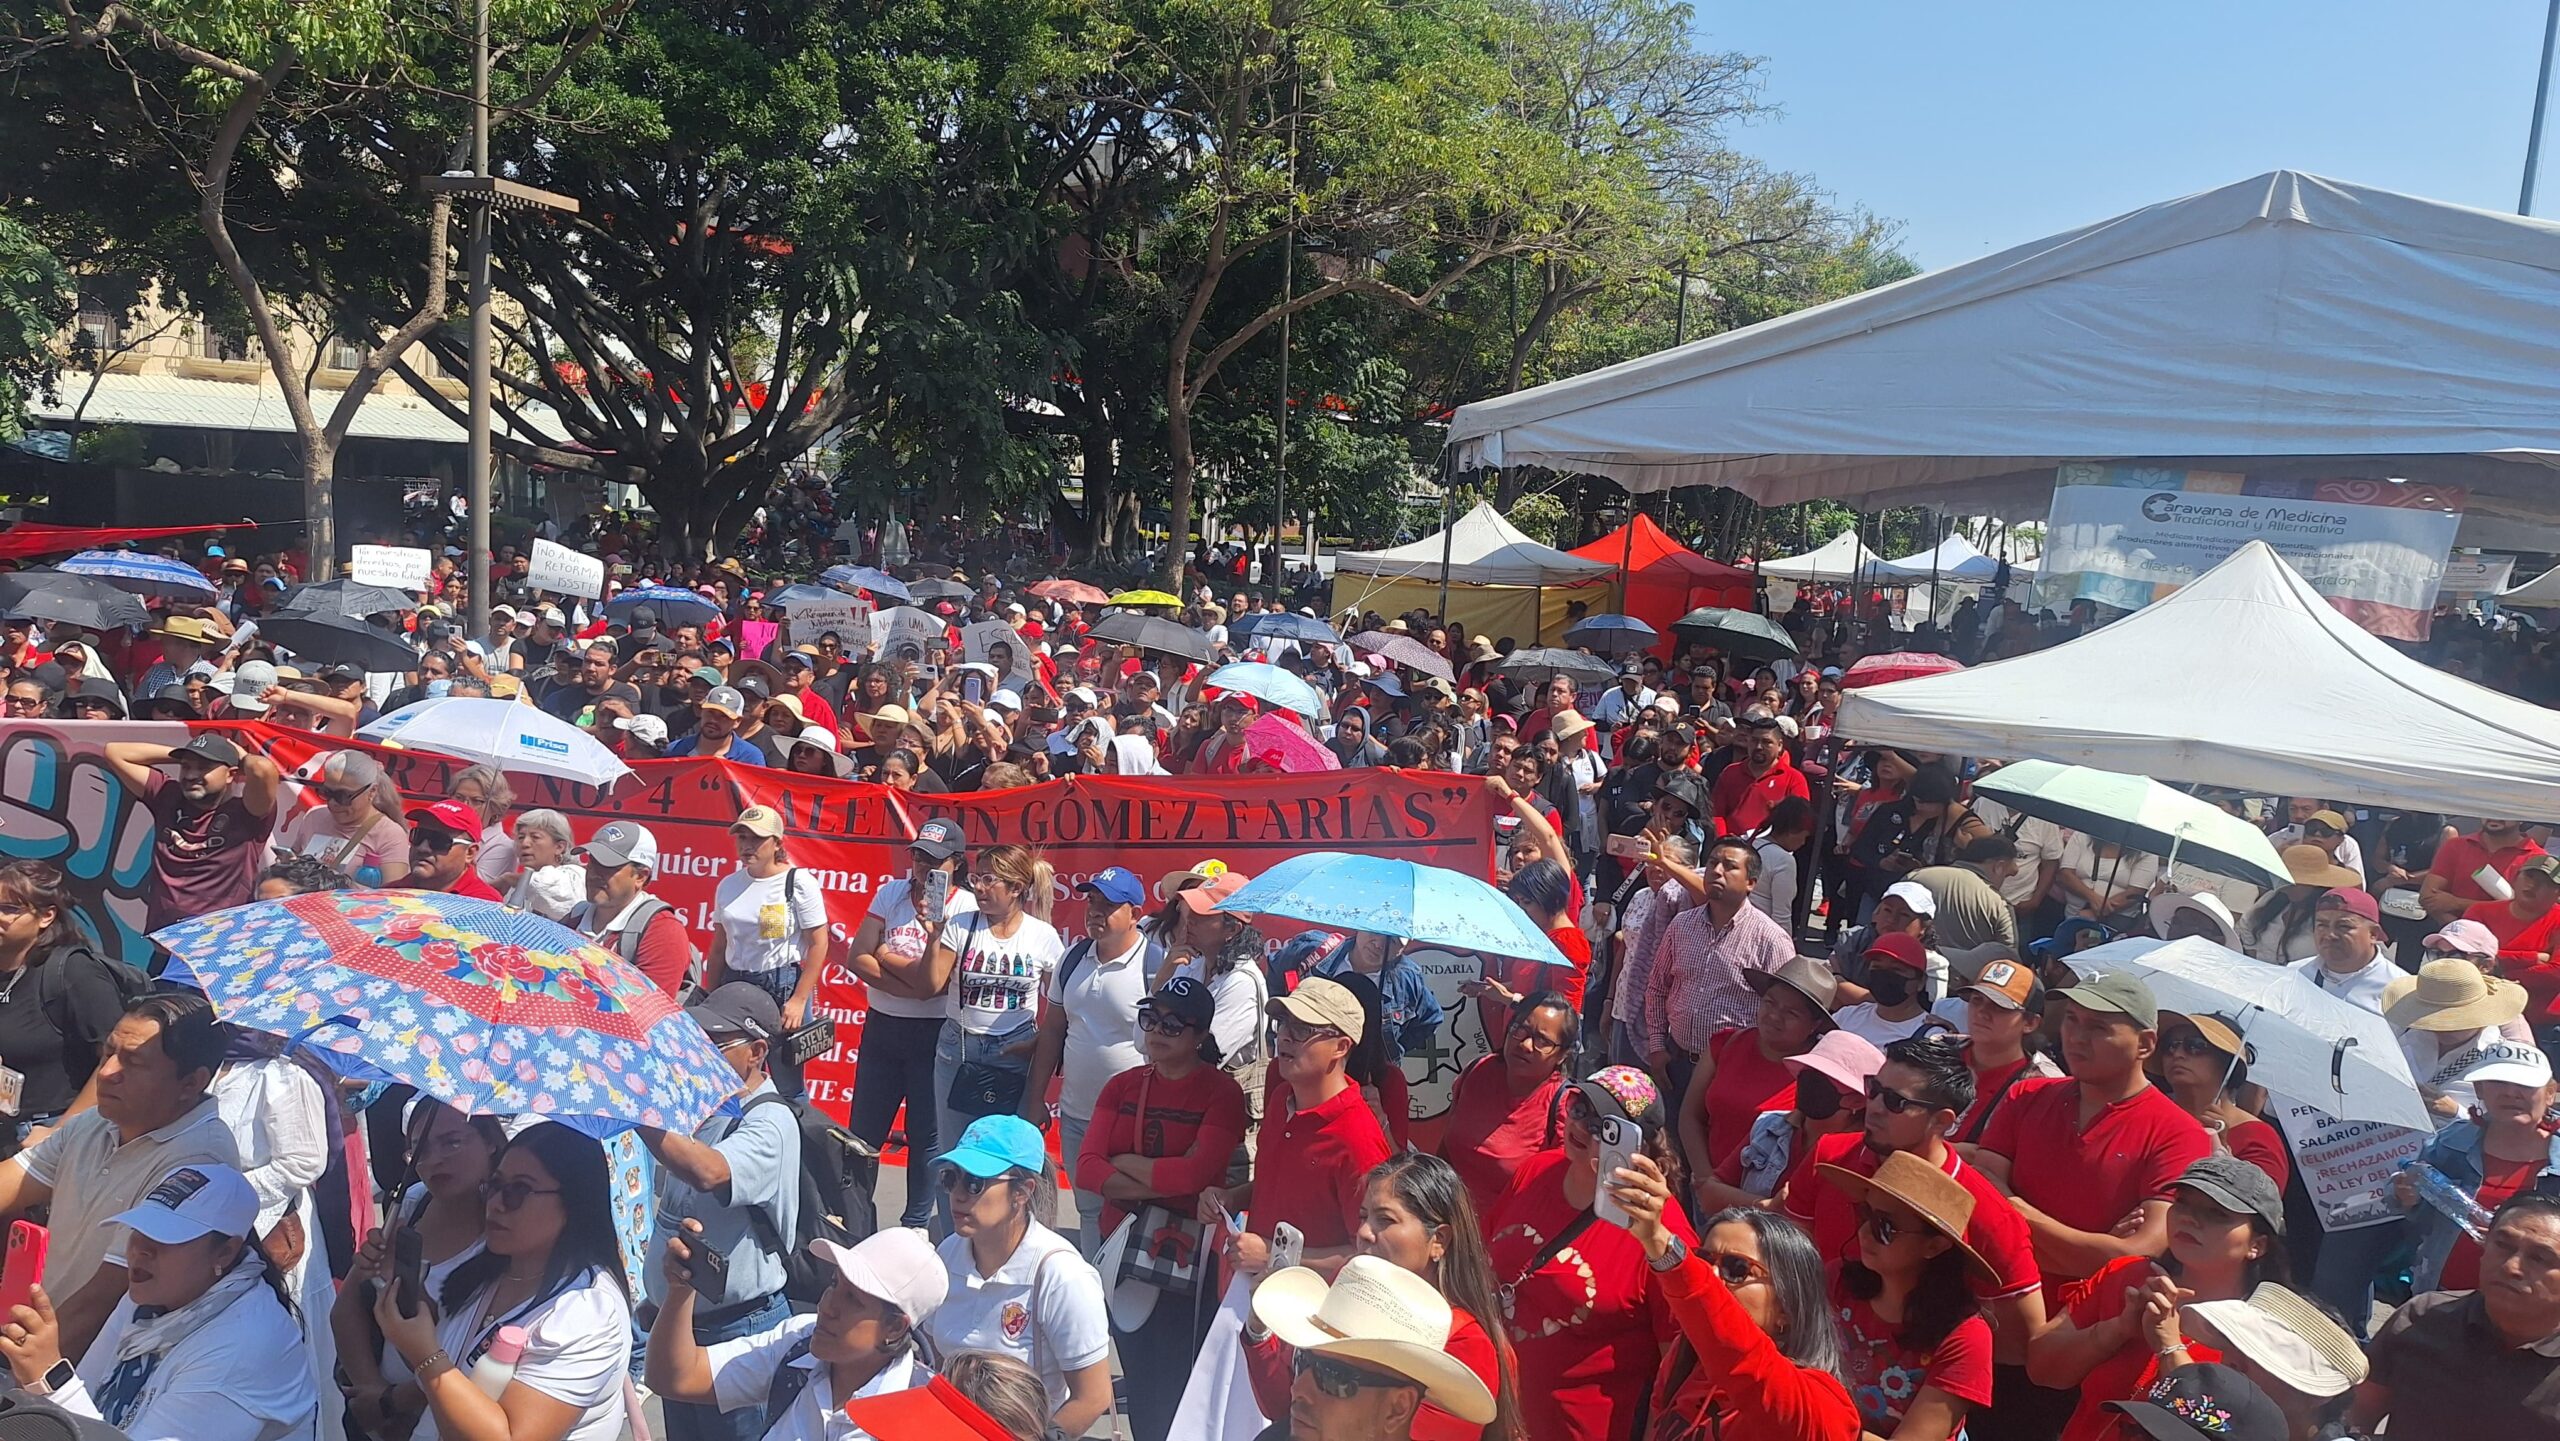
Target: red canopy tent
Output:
{"points": [[1665, 580]]}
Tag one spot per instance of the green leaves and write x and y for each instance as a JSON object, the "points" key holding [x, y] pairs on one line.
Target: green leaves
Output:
{"points": [[36, 303]]}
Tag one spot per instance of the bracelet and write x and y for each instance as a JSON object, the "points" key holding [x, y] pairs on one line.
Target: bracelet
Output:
{"points": [[434, 1359]]}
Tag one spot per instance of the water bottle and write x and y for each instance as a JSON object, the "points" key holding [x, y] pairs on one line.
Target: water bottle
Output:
{"points": [[497, 1366], [2458, 1205], [369, 877]]}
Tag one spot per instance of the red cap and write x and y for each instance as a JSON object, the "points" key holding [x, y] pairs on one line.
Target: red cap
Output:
{"points": [[454, 816], [2352, 901], [1902, 950]]}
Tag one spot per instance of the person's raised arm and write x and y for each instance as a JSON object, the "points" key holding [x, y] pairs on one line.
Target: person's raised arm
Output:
{"points": [[133, 762], [261, 781], [678, 1366]]}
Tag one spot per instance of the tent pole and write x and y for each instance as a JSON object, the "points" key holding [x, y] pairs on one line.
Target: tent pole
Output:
{"points": [[1933, 564], [1627, 551], [1448, 523]]}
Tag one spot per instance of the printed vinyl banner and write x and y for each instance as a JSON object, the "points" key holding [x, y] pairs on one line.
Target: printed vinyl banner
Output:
{"points": [[64, 806], [2125, 535]]}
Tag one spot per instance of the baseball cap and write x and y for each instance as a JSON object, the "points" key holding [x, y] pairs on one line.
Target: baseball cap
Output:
{"points": [[1172, 882], [2331, 819], [709, 677], [1903, 950], [1006, 700], [211, 749], [726, 700], [2514, 1062], [2546, 866], [739, 1008], [1083, 696], [454, 816], [2236, 1185], [248, 682], [2119, 993], [1915, 896], [2205, 1400], [1844, 1057], [2464, 938], [1184, 999], [939, 840], [192, 1202], [762, 821], [1117, 885], [2351, 900], [1321, 1002], [623, 843], [2008, 983], [1623, 1091], [994, 1145], [646, 727], [1212, 893], [897, 1265]]}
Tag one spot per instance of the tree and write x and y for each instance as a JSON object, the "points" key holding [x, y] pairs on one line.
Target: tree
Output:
{"points": [[36, 302]]}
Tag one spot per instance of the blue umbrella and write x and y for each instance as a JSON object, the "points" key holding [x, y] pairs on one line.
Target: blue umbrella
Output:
{"points": [[1267, 683], [1284, 625], [803, 594], [878, 582], [153, 577], [1611, 634], [1346, 892], [674, 606]]}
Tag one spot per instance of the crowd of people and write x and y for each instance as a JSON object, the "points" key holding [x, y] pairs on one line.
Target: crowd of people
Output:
{"points": [[1817, 1133]]}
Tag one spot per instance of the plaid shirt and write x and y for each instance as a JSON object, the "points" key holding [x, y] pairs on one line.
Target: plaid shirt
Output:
{"points": [[1695, 987]]}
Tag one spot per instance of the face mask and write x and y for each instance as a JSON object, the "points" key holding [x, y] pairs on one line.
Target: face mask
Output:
{"points": [[1816, 1098], [1890, 988], [439, 688]]}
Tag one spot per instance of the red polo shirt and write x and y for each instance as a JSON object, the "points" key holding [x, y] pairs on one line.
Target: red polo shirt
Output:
{"points": [[2456, 859], [470, 885], [1742, 802], [1308, 1169], [1997, 1233], [2090, 1179]]}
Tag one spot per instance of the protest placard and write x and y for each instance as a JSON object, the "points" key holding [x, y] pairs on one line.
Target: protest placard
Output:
{"points": [[558, 568], [2347, 1166], [401, 567]]}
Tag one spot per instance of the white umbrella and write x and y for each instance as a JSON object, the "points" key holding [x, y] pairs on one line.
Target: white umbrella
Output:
{"points": [[2140, 814], [503, 733], [2306, 1045]]}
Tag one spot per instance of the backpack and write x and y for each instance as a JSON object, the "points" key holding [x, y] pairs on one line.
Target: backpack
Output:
{"points": [[626, 942], [837, 1173]]}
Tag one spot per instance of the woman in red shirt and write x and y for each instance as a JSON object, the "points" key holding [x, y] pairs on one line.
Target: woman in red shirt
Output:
{"points": [[1916, 1349], [2226, 1234], [1743, 1072], [1585, 1314], [2202, 1060], [1505, 1107]]}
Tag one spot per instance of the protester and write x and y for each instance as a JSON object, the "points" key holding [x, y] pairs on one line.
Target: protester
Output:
{"points": [[357, 828], [1743, 1071], [484, 788], [619, 914], [1315, 1145], [1830, 1098], [2346, 957], [2478, 1363], [991, 963], [285, 1128], [1506, 1107], [2004, 1010], [444, 845], [1701, 978], [2292, 1349], [2503, 1148], [1371, 1352], [450, 1155], [207, 840], [1896, 966], [1087, 1029], [904, 1026], [2453, 883], [769, 921], [54, 1042], [1915, 1349], [2202, 1063]]}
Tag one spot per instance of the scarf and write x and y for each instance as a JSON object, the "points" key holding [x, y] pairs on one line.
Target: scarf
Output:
{"points": [[155, 1331]]}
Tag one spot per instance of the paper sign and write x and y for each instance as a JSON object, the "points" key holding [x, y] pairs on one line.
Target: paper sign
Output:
{"points": [[558, 568], [2347, 1166], [903, 632], [848, 617], [401, 567], [992, 642], [2477, 574]]}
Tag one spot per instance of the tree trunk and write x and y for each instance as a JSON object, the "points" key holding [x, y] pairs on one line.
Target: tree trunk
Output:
{"points": [[320, 506], [1177, 434], [1101, 488]]}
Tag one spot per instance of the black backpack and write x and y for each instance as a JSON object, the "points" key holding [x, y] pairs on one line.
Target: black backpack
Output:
{"points": [[837, 1173]]}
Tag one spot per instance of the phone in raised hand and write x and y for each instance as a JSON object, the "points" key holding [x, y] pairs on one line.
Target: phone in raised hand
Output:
{"points": [[1619, 1139], [24, 1266]]}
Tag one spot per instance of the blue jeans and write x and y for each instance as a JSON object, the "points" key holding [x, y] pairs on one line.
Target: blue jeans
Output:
{"points": [[955, 1048], [1089, 1236], [692, 1421]]}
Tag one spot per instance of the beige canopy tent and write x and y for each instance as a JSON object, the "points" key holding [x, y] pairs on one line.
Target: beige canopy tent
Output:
{"points": [[1500, 582]]}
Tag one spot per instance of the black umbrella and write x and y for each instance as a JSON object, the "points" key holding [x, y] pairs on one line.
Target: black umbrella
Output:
{"points": [[344, 597], [1148, 632], [68, 599], [1546, 663], [325, 638], [939, 590], [1736, 632]]}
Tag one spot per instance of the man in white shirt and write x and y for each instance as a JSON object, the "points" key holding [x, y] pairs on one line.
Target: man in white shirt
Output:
{"points": [[1089, 1021], [2317, 823], [2347, 959]]}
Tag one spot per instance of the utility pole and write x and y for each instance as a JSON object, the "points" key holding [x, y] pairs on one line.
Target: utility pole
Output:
{"points": [[1680, 299], [2541, 98]]}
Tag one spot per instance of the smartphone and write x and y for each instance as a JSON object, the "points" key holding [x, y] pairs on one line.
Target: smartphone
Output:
{"points": [[24, 1266], [973, 688], [710, 1270], [937, 895], [1631, 848], [930, 672], [1618, 1138], [408, 1270], [1288, 1246]]}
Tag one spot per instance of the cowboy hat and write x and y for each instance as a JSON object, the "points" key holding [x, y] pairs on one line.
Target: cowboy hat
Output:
{"points": [[2166, 905], [1378, 1314], [186, 627], [2450, 995], [1941, 1199], [1805, 976]]}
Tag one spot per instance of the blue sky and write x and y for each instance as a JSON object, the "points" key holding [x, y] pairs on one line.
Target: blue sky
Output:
{"points": [[1986, 123]]}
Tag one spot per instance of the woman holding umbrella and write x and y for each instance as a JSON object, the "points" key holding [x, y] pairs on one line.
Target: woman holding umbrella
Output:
{"points": [[2202, 1062]]}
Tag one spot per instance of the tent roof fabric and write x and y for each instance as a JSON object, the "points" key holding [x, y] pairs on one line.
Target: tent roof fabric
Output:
{"points": [[2303, 703], [1483, 549], [1653, 546], [1953, 559], [2283, 316], [2541, 591], [1831, 560]]}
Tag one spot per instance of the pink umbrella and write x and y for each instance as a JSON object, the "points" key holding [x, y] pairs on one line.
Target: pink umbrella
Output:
{"points": [[1277, 741], [1072, 592], [1897, 665]]}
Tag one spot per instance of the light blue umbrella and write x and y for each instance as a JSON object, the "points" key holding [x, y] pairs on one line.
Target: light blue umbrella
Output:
{"points": [[1346, 892], [803, 594], [674, 606], [1269, 683], [878, 582], [1611, 634], [153, 577]]}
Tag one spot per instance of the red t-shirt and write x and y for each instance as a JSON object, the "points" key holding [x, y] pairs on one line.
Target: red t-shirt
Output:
{"points": [[2261, 1146], [1742, 801], [1746, 1083], [1489, 1132], [2521, 946], [1588, 1328], [1267, 1365], [1992, 1089], [2089, 1179], [1530, 977], [1307, 1171], [469, 884], [2500, 1180], [1997, 1233], [2131, 1370], [1191, 1127], [1885, 1376], [2458, 858]]}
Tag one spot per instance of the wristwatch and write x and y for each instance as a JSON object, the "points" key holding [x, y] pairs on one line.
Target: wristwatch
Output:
{"points": [[57, 1377], [1670, 1260]]}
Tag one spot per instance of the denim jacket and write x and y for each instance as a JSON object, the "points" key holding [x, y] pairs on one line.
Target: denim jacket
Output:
{"points": [[1412, 1013], [2456, 1151]]}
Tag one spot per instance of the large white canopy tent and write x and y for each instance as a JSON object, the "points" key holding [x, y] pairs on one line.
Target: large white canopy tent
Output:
{"points": [[2286, 326], [2248, 678], [1954, 560], [1834, 559], [1500, 581]]}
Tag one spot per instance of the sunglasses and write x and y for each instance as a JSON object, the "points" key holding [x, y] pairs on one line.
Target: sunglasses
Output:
{"points": [[965, 1186], [1894, 1101], [339, 794], [2191, 1044], [1884, 1228], [510, 1195], [1340, 1379], [1299, 1033], [1733, 1269]]}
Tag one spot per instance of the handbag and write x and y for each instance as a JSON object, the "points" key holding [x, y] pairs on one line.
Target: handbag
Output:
{"points": [[1164, 1245], [979, 1088], [285, 1244]]}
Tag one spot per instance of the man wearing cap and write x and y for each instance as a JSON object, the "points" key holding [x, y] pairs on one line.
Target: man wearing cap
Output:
{"points": [[1088, 1021], [732, 1187], [1371, 1348], [861, 1342], [2451, 885], [715, 730], [1317, 1146], [1971, 908], [1896, 967], [2477, 1364], [207, 842], [2527, 929], [2346, 957], [1697, 982], [621, 915], [2313, 822], [2002, 1009], [1764, 775], [444, 840]]}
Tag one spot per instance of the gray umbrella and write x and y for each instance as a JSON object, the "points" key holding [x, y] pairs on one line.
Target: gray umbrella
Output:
{"points": [[1544, 663], [1736, 632], [344, 597], [1148, 632], [68, 599]]}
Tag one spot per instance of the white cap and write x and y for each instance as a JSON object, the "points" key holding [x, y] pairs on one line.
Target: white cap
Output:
{"points": [[1914, 895], [194, 1201], [2513, 1062], [248, 683], [551, 616], [897, 1265], [2288, 1338], [1007, 699], [1083, 693], [652, 729]]}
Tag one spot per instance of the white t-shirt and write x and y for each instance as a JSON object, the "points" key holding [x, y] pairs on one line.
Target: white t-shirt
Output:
{"points": [[902, 935], [577, 1352], [996, 981], [764, 919], [742, 1373], [2123, 871], [1240, 996], [395, 1367], [2362, 988], [1042, 1307], [222, 1383], [1863, 1020], [1102, 1022]]}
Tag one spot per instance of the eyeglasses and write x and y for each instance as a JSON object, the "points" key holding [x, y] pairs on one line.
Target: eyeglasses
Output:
{"points": [[510, 1195], [1298, 1033], [965, 1186], [1735, 1269], [1340, 1379], [1158, 1023], [2189, 1044], [1524, 1031], [1894, 1101], [11, 910]]}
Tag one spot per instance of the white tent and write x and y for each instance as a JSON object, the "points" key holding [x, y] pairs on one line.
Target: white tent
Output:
{"points": [[1831, 560], [1500, 582], [2286, 326], [1955, 560], [1481, 549], [2245, 678], [2542, 590]]}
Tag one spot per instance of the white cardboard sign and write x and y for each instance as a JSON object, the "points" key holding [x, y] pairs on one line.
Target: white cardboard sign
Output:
{"points": [[558, 568], [401, 567]]}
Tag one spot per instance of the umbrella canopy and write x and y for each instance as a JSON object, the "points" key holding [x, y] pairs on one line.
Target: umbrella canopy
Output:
{"points": [[878, 582], [1071, 592], [67, 599], [1611, 634], [488, 1009], [1738, 632], [1541, 663], [1349, 892], [2306, 1044], [1404, 650], [1284, 745], [504, 733], [1268, 683], [330, 638], [1155, 633], [928, 590], [1283, 625], [345, 597], [1896, 665], [802, 594], [2140, 814], [153, 577], [1145, 597], [674, 604]]}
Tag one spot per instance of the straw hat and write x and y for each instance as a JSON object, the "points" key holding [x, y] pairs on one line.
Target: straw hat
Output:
{"points": [[884, 724], [1941, 1199], [2166, 905], [1378, 1314], [1569, 724], [2310, 866], [2450, 995]]}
